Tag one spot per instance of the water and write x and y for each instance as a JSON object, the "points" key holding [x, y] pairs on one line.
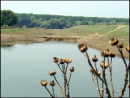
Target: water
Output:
{"points": [[24, 66]]}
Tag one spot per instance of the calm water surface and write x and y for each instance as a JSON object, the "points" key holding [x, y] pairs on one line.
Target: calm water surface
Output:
{"points": [[24, 66]]}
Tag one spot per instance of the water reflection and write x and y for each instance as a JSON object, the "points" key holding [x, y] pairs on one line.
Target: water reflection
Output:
{"points": [[24, 66]]}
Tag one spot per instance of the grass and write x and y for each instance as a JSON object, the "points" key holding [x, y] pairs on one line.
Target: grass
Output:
{"points": [[105, 32]]}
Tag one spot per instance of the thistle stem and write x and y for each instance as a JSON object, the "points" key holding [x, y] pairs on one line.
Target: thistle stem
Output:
{"points": [[60, 68], [111, 83], [59, 86], [87, 58], [97, 82], [104, 77], [53, 91], [122, 56], [49, 92]]}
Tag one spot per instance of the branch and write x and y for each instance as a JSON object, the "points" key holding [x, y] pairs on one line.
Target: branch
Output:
{"points": [[49, 92], [126, 82], [104, 77], [53, 91], [111, 83], [97, 82], [60, 67], [59, 86], [87, 58], [120, 50]]}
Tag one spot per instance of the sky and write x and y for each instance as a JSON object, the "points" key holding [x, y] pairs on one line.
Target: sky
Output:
{"points": [[109, 9]]}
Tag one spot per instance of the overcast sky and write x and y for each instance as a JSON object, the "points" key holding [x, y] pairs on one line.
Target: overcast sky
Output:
{"points": [[110, 9]]}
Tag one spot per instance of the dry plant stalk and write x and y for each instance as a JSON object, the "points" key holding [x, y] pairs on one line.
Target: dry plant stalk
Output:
{"points": [[106, 54], [96, 74], [63, 66]]}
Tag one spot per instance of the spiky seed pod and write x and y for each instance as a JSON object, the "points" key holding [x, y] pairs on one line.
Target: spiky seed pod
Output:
{"points": [[44, 82], [52, 83], [105, 53], [99, 72], [112, 54], [82, 47], [72, 69], [55, 59], [53, 72], [121, 45], [102, 64], [113, 41], [61, 61], [128, 48], [94, 59], [67, 60]]}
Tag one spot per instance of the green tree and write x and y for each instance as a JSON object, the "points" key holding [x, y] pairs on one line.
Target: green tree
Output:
{"points": [[8, 17]]}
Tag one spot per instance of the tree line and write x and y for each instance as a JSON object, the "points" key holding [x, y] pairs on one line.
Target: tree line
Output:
{"points": [[30, 20]]}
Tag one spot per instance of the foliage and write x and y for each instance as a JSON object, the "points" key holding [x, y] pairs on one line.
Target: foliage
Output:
{"points": [[8, 18], [60, 22]]}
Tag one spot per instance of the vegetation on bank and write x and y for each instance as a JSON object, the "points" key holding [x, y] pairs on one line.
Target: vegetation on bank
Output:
{"points": [[95, 36], [29, 20]]}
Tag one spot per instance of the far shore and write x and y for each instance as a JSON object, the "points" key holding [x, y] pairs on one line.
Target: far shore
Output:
{"points": [[93, 42]]}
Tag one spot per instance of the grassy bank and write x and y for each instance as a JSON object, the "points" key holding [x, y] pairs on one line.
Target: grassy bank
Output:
{"points": [[96, 36]]}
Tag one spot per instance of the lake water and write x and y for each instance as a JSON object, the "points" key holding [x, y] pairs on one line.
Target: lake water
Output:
{"points": [[24, 66]]}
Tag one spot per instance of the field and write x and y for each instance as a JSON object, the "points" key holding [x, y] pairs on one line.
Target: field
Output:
{"points": [[96, 36]]}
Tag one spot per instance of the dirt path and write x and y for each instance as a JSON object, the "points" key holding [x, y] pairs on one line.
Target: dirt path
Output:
{"points": [[114, 30]]}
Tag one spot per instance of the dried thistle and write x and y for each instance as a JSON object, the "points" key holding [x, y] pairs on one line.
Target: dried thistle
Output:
{"points": [[105, 53], [82, 47], [72, 69], [99, 72], [52, 83], [67, 60], [113, 41], [94, 59], [111, 54], [121, 45], [128, 48], [61, 61], [55, 59], [44, 82], [103, 64], [53, 72]]}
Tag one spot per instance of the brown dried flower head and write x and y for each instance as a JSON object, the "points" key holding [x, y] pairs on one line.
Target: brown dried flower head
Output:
{"points": [[111, 54], [105, 53], [102, 64], [55, 59], [67, 60], [94, 59], [44, 82], [113, 41], [52, 83], [99, 72], [120, 45], [53, 72], [82, 47], [72, 69], [128, 48], [62, 61], [93, 72], [129, 86]]}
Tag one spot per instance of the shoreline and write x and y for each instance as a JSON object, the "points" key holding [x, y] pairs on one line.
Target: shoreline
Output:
{"points": [[93, 42]]}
